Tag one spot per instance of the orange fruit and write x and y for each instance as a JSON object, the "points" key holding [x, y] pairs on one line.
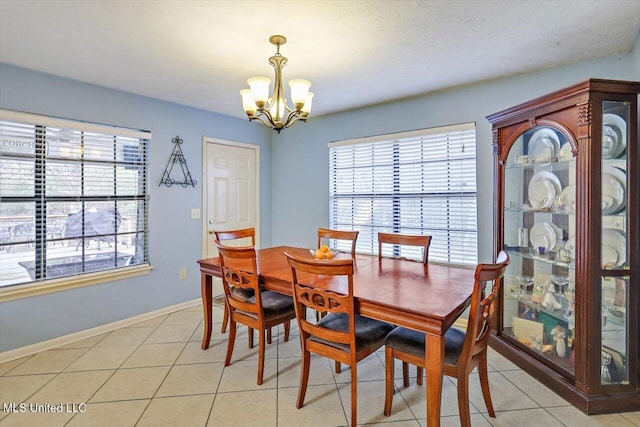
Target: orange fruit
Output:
{"points": [[330, 255], [319, 254], [324, 248]]}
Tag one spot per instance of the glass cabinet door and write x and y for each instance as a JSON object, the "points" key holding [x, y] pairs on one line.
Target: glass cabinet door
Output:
{"points": [[539, 235], [614, 255]]}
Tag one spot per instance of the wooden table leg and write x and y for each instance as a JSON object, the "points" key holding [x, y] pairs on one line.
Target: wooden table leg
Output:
{"points": [[205, 288], [434, 349]]}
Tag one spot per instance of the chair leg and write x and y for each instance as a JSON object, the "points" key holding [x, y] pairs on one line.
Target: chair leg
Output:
{"points": [[405, 374], [484, 383], [388, 380], [287, 329], [250, 336], [261, 349], [338, 368], [354, 394], [463, 399], [231, 342], [304, 377], [419, 375], [225, 318], [269, 336]]}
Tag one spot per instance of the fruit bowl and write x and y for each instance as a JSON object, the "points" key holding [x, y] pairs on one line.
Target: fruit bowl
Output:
{"points": [[322, 253]]}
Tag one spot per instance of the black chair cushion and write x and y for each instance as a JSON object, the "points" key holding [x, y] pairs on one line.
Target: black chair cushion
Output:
{"points": [[241, 294], [412, 342], [274, 304], [369, 332]]}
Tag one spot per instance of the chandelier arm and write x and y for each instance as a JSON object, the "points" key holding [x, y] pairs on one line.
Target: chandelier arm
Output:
{"points": [[293, 117]]}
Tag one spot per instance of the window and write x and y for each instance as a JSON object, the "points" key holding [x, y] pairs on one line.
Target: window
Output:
{"points": [[419, 182], [73, 198]]}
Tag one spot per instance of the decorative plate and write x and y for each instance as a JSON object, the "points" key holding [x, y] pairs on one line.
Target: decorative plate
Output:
{"points": [[544, 146]]}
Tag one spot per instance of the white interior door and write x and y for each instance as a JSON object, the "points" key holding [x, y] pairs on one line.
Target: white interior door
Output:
{"points": [[231, 202]]}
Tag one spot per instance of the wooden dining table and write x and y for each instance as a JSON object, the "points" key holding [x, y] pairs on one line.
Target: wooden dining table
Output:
{"points": [[424, 298]]}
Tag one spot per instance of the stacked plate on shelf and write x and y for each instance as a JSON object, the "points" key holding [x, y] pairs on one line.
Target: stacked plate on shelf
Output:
{"points": [[543, 146], [614, 136], [614, 248], [543, 190], [614, 190], [545, 235]]}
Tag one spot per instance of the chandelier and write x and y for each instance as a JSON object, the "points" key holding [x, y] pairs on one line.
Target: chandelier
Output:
{"points": [[274, 111]]}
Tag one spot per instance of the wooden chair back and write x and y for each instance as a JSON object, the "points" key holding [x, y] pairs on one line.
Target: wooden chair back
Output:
{"points": [[323, 300], [483, 308], [222, 236], [404, 240], [326, 233], [241, 278]]}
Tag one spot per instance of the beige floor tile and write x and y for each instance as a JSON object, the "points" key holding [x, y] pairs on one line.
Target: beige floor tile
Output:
{"points": [[36, 419], [634, 417], [290, 348], [154, 355], [155, 321], [6, 367], [245, 409], [405, 423], [126, 336], [187, 411], [201, 378], [241, 350], [102, 358], [477, 420], [17, 389], [184, 317], [526, 417], [320, 371], [415, 397], [322, 407], [171, 333], [369, 369], [135, 383], [50, 361], [110, 414], [534, 389], [243, 375], [193, 353], [498, 362], [504, 395], [71, 387], [572, 417], [370, 398], [85, 343]]}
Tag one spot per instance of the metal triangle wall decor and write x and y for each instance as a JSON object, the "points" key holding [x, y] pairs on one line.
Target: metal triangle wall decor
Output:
{"points": [[177, 158]]}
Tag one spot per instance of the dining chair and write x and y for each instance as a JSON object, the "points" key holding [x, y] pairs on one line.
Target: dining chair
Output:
{"points": [[325, 234], [395, 240], [341, 335], [463, 351], [226, 236], [423, 241], [261, 311]]}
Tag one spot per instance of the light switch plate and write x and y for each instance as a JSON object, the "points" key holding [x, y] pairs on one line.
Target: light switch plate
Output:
{"points": [[195, 213]]}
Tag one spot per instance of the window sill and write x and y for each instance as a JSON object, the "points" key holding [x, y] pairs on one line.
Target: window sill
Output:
{"points": [[66, 283]]}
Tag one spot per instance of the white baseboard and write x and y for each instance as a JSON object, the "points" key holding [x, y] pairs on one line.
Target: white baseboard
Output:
{"points": [[28, 350]]}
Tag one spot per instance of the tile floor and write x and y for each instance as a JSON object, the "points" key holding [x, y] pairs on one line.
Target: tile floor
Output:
{"points": [[155, 374]]}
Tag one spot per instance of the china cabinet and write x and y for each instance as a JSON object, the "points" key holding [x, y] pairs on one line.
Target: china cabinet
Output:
{"points": [[566, 210]]}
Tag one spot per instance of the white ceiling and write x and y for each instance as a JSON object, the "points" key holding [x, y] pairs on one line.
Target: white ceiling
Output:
{"points": [[356, 53]]}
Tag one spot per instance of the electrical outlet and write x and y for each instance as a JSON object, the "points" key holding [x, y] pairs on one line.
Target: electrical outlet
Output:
{"points": [[183, 273], [195, 213]]}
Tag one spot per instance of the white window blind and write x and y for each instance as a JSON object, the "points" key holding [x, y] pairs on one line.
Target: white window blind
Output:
{"points": [[73, 197], [419, 182]]}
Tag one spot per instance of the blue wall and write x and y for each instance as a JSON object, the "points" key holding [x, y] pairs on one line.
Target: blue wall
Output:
{"points": [[301, 158], [293, 169], [175, 239]]}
